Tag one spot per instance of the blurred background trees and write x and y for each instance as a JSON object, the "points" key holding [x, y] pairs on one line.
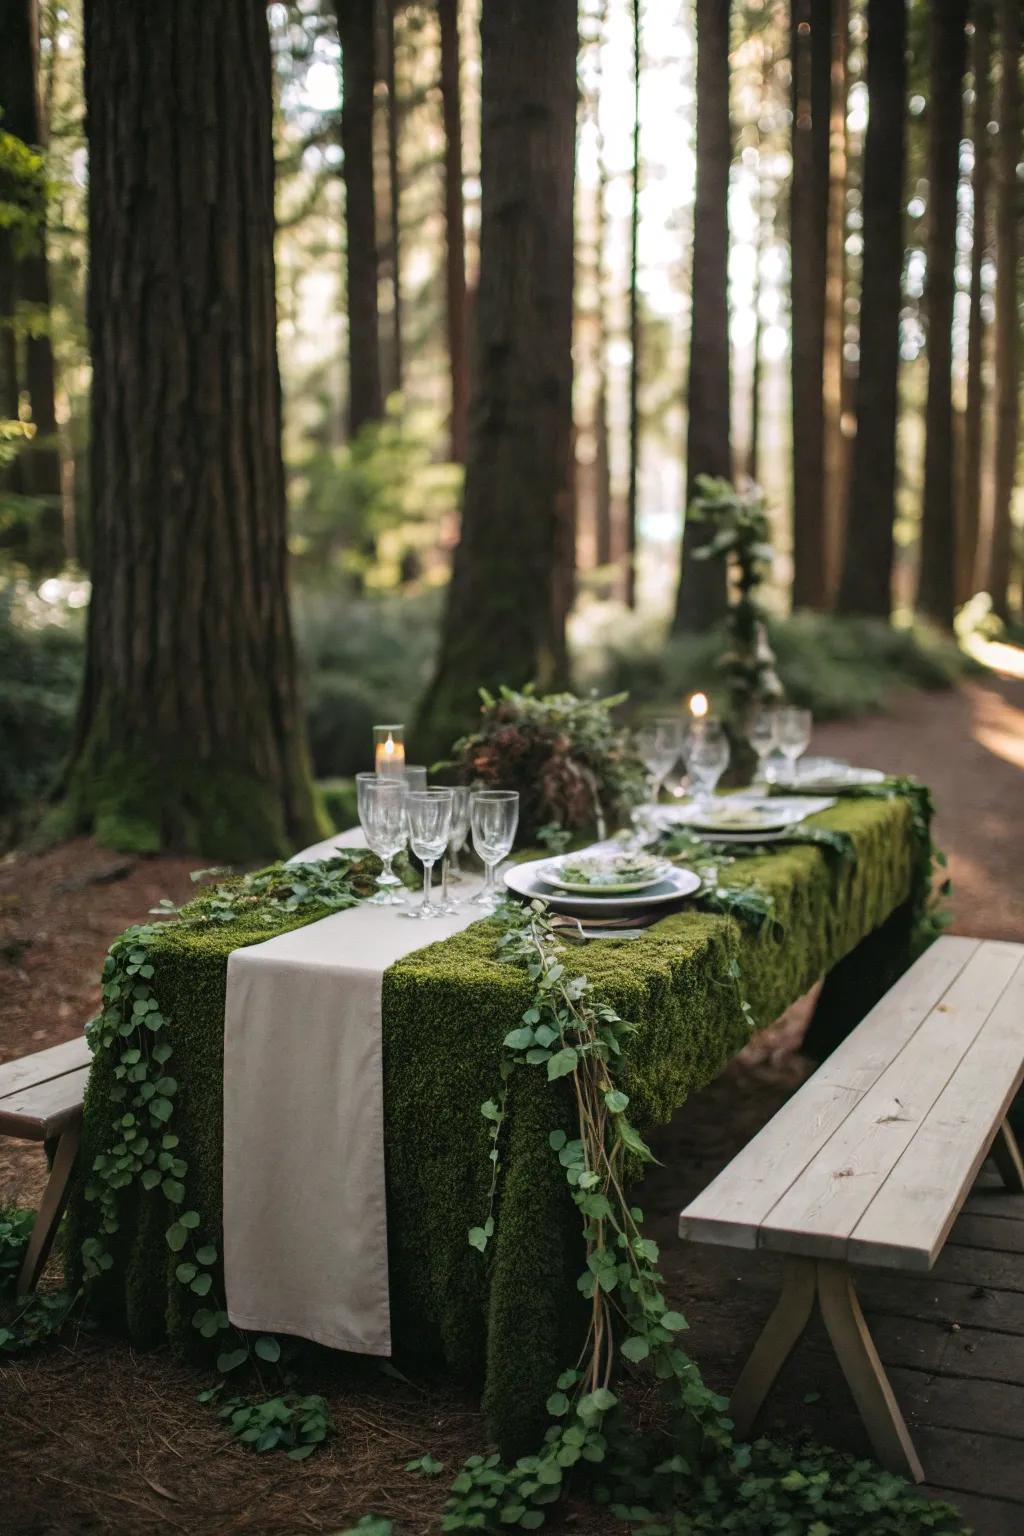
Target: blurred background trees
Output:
{"points": [[773, 238]]}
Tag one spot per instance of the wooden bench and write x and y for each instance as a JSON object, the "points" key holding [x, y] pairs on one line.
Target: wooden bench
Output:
{"points": [[41, 1098], [870, 1162]]}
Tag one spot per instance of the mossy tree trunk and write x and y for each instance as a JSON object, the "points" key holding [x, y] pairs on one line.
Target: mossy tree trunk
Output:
{"points": [[936, 586], [866, 585], [505, 616], [701, 596], [356, 32], [31, 363], [190, 732], [1007, 349]]}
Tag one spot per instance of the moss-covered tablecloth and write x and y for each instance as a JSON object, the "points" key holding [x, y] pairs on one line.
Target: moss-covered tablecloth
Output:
{"points": [[511, 1318]]}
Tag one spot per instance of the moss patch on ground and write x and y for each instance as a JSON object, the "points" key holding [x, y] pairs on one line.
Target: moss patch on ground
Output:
{"points": [[511, 1321]]}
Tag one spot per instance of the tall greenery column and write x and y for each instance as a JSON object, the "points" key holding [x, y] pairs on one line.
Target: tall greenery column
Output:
{"points": [[505, 618], [189, 732]]}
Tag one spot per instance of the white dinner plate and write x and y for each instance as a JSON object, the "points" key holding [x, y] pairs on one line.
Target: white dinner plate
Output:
{"points": [[827, 774], [525, 880]]}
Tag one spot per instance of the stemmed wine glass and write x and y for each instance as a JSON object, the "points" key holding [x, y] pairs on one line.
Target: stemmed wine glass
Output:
{"points": [[707, 757], [450, 870], [494, 817], [429, 814], [381, 805], [793, 732], [658, 744], [762, 734]]}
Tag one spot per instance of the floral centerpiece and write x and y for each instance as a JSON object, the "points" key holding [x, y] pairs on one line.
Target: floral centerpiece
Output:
{"points": [[571, 762]]}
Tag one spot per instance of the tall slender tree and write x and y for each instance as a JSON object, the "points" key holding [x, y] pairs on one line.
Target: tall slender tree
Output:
{"points": [[505, 619], [39, 465], [936, 587], [968, 522], [866, 585], [356, 32], [811, 61], [634, 323], [701, 596], [1007, 390], [834, 454], [393, 245], [454, 223], [190, 732]]}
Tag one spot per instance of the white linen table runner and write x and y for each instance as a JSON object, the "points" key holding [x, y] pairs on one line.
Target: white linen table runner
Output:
{"points": [[305, 1210]]}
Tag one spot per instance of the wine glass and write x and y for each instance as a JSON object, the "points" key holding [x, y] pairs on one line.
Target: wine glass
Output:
{"points": [[381, 805], [707, 757], [494, 817], [793, 733], [450, 870], [657, 745], [762, 734], [429, 815]]}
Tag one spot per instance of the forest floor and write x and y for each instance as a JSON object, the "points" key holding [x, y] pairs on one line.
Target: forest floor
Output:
{"points": [[96, 1440]]}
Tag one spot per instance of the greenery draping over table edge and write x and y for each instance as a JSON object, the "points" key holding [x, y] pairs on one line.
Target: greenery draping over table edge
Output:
{"points": [[252, 908]]}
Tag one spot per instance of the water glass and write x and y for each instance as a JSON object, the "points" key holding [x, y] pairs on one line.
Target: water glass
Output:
{"points": [[762, 734], [381, 805], [429, 815], [415, 776], [658, 744], [450, 870], [793, 736], [493, 817], [707, 757]]}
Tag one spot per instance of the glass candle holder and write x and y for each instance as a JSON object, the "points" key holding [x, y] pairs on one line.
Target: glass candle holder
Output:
{"points": [[389, 751]]}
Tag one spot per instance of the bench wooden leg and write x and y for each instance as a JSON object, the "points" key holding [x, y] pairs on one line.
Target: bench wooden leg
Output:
{"points": [[51, 1210], [865, 1372], [778, 1338], [1006, 1155]]}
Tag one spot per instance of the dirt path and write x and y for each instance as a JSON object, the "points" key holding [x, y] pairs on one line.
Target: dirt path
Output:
{"points": [[96, 1439]]}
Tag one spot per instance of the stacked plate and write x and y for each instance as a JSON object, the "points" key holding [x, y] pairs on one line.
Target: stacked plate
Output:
{"points": [[827, 773], [746, 818], [602, 882]]}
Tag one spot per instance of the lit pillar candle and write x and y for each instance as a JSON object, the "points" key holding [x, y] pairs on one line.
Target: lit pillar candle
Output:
{"points": [[389, 751]]}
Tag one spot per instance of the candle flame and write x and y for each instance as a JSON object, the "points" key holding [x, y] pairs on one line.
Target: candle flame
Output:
{"points": [[389, 746], [699, 706]]}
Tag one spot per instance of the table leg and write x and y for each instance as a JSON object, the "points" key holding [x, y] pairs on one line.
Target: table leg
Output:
{"points": [[865, 1372], [778, 1338], [1006, 1155], [52, 1208]]}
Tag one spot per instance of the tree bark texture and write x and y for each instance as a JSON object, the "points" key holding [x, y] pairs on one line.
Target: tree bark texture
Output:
{"points": [[356, 32], [835, 455], [811, 63], [936, 587], [190, 732], [31, 363], [701, 596], [866, 585], [634, 326], [1007, 386], [505, 616], [455, 231], [969, 520], [396, 370]]}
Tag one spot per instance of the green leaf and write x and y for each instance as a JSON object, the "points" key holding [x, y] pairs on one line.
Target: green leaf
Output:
{"points": [[189, 1219], [557, 1140], [174, 1190], [562, 1063], [426, 1465], [201, 1284], [673, 1321], [185, 1273], [177, 1237], [519, 1039], [636, 1349], [207, 1254], [477, 1238], [557, 1404], [616, 1100], [268, 1348], [231, 1359]]}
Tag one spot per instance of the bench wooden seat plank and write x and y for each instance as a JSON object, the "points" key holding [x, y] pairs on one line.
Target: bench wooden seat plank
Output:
{"points": [[819, 1212], [733, 1208], [871, 1161], [37, 1113], [27, 1071]]}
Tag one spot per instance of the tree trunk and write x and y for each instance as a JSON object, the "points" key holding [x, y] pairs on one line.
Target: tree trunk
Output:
{"points": [[634, 326], [190, 732], [936, 591], [1007, 390], [701, 596], [505, 619], [356, 32], [811, 60], [835, 457], [394, 241], [971, 483], [455, 256], [39, 464], [866, 585]]}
